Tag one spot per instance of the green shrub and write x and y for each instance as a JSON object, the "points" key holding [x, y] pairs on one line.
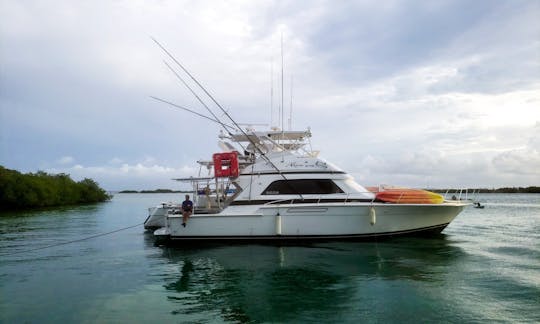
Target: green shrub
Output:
{"points": [[35, 190]]}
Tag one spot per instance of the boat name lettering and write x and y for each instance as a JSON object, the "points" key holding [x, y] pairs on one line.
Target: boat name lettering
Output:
{"points": [[317, 164]]}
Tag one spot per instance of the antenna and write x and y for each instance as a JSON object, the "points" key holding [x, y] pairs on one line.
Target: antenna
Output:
{"points": [[281, 112], [290, 109], [271, 92]]}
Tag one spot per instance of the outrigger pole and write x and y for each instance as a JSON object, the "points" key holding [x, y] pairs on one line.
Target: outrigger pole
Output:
{"points": [[191, 111], [223, 110], [203, 89], [196, 96], [213, 99]]}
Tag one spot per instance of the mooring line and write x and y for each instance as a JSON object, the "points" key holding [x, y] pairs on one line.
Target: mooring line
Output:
{"points": [[73, 241]]}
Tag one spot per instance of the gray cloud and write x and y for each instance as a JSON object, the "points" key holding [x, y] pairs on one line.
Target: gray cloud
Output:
{"points": [[386, 38]]}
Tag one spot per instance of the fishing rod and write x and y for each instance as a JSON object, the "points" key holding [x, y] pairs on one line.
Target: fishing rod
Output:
{"points": [[263, 155], [191, 111]]}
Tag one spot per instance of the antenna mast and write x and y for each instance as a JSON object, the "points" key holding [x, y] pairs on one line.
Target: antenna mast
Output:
{"points": [[290, 108], [282, 107], [271, 92]]}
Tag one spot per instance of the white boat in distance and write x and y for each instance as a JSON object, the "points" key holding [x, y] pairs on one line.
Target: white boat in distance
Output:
{"points": [[272, 186]]}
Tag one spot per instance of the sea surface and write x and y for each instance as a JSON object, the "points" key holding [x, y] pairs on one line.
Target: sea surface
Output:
{"points": [[59, 266]]}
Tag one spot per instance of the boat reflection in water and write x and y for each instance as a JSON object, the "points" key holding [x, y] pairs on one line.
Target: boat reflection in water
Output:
{"points": [[338, 281]]}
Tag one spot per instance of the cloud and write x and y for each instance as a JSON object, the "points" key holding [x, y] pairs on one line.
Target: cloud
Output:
{"points": [[115, 160], [522, 161], [137, 176], [429, 164], [526, 162], [387, 38], [66, 160]]}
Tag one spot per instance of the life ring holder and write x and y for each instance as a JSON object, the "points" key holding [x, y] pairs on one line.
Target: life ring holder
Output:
{"points": [[226, 164]]}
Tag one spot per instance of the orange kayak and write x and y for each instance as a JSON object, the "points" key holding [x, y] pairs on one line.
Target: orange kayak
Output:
{"points": [[409, 196]]}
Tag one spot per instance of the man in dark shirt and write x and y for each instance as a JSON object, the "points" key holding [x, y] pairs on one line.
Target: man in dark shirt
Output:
{"points": [[187, 209]]}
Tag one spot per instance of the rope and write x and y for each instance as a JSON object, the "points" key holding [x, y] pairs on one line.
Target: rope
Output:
{"points": [[74, 241]]}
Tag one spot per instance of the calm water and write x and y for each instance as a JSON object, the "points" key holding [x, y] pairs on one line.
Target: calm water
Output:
{"points": [[485, 268]]}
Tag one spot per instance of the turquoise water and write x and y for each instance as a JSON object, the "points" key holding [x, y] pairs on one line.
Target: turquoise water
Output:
{"points": [[484, 268]]}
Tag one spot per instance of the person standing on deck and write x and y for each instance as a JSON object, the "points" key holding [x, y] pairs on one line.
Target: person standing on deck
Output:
{"points": [[187, 209]]}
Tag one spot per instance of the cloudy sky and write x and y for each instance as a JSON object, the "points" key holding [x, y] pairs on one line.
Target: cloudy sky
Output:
{"points": [[414, 93]]}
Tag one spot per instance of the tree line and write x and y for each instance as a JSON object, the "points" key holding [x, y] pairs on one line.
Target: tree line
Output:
{"points": [[152, 191], [531, 189], [37, 190]]}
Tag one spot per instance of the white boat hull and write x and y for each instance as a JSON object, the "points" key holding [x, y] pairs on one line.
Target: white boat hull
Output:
{"points": [[157, 216], [313, 221]]}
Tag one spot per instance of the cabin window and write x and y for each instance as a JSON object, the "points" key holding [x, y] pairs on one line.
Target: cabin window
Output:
{"points": [[302, 186]]}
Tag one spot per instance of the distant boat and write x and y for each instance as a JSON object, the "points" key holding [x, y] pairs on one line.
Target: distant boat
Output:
{"points": [[478, 205]]}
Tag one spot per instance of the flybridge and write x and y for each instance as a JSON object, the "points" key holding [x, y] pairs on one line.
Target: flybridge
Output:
{"points": [[274, 135], [264, 142]]}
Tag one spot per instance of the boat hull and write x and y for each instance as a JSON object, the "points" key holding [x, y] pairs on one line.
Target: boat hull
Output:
{"points": [[313, 222], [157, 216]]}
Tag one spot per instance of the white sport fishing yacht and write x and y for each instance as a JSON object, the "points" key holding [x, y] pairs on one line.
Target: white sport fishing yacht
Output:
{"points": [[272, 186]]}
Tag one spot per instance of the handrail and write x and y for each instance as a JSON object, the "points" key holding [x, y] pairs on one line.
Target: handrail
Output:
{"points": [[276, 201], [320, 197], [461, 192]]}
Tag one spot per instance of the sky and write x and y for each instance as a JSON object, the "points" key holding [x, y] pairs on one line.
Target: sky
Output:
{"points": [[414, 93]]}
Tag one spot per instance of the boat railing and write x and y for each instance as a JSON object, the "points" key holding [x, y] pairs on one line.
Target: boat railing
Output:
{"points": [[278, 201], [365, 192], [462, 194], [349, 197]]}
